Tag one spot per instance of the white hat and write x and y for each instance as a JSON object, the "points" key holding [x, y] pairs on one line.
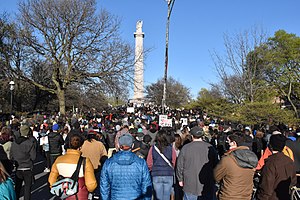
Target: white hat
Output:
{"points": [[118, 127], [276, 133]]}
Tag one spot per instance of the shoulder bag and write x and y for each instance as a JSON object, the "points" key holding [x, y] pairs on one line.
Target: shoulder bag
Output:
{"points": [[66, 187]]}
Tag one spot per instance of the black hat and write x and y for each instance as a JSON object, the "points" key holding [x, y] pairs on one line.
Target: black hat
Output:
{"points": [[277, 142], [197, 131]]}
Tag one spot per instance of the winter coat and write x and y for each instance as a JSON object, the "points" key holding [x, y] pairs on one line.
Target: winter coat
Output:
{"points": [[195, 165], [23, 151], [125, 176], [235, 173], [56, 141], [110, 139], [65, 166], [141, 149], [286, 151], [8, 164], [94, 150], [7, 190], [277, 177], [295, 147]]}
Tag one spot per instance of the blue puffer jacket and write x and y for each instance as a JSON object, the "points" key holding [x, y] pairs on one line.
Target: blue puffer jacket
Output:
{"points": [[125, 176]]}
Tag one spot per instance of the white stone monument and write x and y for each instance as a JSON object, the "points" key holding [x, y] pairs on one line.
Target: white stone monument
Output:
{"points": [[138, 96]]}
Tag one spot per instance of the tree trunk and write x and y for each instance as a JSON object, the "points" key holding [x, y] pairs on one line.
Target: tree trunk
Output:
{"points": [[291, 101], [61, 101], [293, 106]]}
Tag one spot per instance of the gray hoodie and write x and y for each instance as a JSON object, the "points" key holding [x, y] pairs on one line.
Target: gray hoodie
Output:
{"points": [[23, 151]]}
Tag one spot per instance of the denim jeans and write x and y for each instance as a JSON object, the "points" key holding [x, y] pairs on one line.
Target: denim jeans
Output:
{"points": [[188, 196], [162, 186]]}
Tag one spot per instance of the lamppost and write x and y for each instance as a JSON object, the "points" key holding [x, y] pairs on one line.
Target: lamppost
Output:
{"points": [[163, 102], [11, 88]]}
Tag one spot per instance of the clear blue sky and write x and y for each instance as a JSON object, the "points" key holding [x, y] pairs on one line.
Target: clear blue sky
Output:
{"points": [[196, 28]]}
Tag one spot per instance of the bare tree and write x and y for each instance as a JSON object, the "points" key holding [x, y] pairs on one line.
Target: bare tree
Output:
{"points": [[238, 70], [75, 45]]}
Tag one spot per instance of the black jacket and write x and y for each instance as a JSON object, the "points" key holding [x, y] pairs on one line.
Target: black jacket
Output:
{"points": [[23, 152], [295, 147], [8, 165], [141, 149], [55, 143]]}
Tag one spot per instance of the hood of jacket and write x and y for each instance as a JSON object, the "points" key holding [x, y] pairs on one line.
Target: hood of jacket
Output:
{"points": [[21, 139], [245, 157], [124, 157], [53, 135]]}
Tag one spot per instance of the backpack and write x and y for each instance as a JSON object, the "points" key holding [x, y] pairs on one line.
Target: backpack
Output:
{"points": [[66, 187]]}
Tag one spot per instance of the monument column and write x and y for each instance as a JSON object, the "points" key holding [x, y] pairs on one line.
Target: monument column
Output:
{"points": [[139, 64]]}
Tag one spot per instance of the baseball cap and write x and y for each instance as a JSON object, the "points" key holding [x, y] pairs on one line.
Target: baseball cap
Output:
{"points": [[126, 140], [197, 131]]}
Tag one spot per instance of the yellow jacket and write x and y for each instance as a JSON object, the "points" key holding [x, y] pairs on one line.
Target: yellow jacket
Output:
{"points": [[65, 165]]}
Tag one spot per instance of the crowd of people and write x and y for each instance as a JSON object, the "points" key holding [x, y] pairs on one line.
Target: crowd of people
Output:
{"points": [[130, 156]]}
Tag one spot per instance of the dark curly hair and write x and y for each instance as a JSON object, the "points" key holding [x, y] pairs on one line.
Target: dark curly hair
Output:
{"points": [[76, 141]]}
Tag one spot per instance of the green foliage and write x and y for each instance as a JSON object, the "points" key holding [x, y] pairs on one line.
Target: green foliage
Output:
{"points": [[214, 104], [283, 57], [263, 112], [265, 94], [281, 64]]}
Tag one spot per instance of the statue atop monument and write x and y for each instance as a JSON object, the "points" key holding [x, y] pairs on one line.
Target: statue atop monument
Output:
{"points": [[139, 25]]}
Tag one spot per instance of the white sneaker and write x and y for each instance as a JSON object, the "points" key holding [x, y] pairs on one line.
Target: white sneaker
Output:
{"points": [[90, 196], [46, 170]]}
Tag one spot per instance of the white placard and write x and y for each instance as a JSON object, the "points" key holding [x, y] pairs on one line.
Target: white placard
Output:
{"points": [[44, 140], [164, 121], [184, 121], [130, 109]]}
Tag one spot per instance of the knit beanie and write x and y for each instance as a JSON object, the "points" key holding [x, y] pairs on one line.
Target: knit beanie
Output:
{"points": [[24, 130]]}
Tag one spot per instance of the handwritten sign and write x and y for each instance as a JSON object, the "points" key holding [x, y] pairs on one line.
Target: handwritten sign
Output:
{"points": [[164, 121]]}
